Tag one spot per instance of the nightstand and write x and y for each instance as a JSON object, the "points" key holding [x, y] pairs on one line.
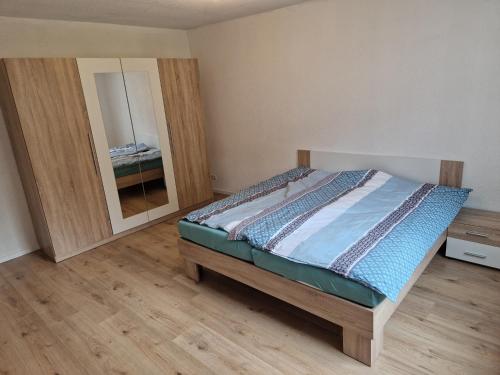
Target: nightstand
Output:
{"points": [[474, 236]]}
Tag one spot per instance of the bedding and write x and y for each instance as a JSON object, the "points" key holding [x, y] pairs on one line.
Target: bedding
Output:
{"points": [[324, 280], [366, 226], [131, 159], [128, 149]]}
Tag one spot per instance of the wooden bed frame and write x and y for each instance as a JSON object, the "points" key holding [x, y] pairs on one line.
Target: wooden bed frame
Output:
{"points": [[138, 178], [362, 327]]}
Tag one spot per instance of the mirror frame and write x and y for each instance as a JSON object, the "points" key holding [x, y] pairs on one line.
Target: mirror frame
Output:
{"points": [[88, 67]]}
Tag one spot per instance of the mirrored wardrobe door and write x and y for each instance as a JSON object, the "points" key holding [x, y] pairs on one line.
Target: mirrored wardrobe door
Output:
{"points": [[151, 134], [117, 151]]}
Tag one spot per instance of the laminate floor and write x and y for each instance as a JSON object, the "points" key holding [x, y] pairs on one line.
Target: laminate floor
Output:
{"points": [[140, 198], [127, 308]]}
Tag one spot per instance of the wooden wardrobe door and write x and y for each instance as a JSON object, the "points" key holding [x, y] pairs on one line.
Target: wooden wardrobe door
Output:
{"points": [[181, 94], [52, 113]]}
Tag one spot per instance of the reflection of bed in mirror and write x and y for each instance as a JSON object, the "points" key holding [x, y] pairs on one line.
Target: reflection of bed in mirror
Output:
{"points": [[132, 137], [138, 171], [133, 164]]}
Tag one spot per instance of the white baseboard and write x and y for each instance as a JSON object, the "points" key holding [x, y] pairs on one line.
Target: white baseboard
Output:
{"points": [[14, 254]]}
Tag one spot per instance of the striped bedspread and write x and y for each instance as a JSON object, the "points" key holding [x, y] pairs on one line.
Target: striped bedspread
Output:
{"points": [[367, 226]]}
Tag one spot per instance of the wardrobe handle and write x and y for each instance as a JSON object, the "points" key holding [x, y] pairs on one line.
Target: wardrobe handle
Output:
{"points": [[93, 154], [170, 141], [480, 256]]}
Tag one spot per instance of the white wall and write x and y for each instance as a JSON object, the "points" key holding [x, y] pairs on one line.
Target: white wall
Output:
{"points": [[411, 77], [114, 103], [17, 236], [142, 108], [42, 38], [21, 37]]}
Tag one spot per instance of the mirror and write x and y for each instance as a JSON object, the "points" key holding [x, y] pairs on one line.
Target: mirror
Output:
{"points": [[129, 121], [131, 139], [146, 136], [123, 150]]}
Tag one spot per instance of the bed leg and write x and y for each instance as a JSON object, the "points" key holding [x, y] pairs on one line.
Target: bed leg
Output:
{"points": [[192, 270], [361, 348]]}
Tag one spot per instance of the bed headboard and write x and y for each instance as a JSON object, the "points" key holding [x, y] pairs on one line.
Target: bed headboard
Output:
{"points": [[444, 172]]}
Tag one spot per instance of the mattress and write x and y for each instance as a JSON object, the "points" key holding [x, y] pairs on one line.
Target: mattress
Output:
{"points": [[321, 279]]}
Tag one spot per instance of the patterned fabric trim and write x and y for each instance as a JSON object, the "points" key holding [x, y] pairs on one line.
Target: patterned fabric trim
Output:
{"points": [[299, 220], [348, 259], [234, 234], [249, 194]]}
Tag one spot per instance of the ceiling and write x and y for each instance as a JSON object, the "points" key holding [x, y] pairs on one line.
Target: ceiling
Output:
{"points": [[177, 14]]}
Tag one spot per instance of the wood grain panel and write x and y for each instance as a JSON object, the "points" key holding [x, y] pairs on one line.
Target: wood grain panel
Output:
{"points": [[479, 218], [476, 226], [181, 94], [334, 309], [472, 233], [304, 158], [359, 347], [192, 270], [23, 162], [54, 122], [138, 178], [451, 173]]}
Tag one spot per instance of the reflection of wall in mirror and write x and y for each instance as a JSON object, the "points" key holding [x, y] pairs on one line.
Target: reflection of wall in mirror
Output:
{"points": [[114, 109], [142, 108]]}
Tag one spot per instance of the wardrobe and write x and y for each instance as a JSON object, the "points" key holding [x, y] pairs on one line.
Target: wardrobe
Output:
{"points": [[106, 146]]}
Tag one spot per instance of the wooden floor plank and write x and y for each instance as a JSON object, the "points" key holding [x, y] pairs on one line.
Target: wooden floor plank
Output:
{"points": [[40, 352], [42, 299], [164, 353], [112, 352], [220, 354], [253, 329]]}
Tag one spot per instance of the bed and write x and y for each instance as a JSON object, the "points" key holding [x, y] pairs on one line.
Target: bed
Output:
{"points": [[265, 259], [134, 164]]}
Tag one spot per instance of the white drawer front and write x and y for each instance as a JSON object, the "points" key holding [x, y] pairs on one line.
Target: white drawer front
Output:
{"points": [[473, 252]]}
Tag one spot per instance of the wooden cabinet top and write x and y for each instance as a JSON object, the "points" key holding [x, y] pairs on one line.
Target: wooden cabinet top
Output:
{"points": [[479, 218]]}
